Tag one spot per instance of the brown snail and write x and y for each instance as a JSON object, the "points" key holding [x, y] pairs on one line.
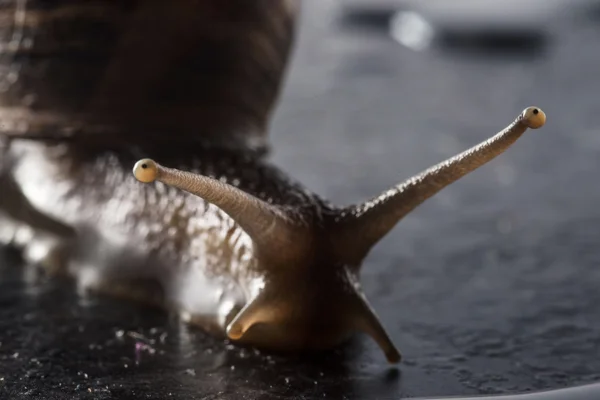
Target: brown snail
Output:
{"points": [[226, 239]]}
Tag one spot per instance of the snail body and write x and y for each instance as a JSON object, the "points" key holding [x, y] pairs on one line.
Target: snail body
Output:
{"points": [[211, 229]]}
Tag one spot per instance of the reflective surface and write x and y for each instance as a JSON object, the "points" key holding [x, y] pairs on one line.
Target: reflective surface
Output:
{"points": [[490, 287]]}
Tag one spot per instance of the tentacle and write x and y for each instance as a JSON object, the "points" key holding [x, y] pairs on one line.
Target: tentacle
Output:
{"points": [[366, 320], [269, 228], [255, 312], [360, 227]]}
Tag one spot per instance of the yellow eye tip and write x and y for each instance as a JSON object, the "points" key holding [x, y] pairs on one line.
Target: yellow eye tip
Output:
{"points": [[533, 117], [145, 170]]}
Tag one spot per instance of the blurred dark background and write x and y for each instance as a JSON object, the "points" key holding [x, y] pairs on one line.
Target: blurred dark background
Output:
{"points": [[489, 287]]}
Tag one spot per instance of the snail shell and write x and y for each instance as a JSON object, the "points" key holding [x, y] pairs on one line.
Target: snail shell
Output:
{"points": [[121, 72]]}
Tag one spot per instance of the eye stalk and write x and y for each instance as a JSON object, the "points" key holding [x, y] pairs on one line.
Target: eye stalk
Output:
{"points": [[361, 226], [145, 170], [268, 226]]}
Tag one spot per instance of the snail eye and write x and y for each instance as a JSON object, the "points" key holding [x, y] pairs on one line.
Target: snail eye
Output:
{"points": [[534, 117], [145, 170]]}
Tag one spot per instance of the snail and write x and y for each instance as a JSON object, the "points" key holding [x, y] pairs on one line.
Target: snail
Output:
{"points": [[135, 160]]}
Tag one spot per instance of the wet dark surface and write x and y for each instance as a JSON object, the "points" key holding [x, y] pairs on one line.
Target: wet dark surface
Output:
{"points": [[490, 287]]}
